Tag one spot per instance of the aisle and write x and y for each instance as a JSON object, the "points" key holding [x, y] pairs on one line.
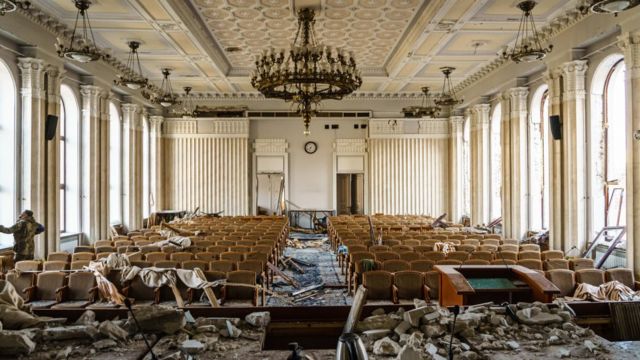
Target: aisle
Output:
{"points": [[324, 269]]}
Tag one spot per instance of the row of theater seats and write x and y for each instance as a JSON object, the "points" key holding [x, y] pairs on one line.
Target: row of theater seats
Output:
{"points": [[398, 285], [78, 289]]}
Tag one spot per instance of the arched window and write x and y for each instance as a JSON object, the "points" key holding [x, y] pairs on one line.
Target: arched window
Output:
{"points": [[496, 163], [8, 210], [608, 145], [115, 165], [69, 127], [539, 160], [466, 159]]}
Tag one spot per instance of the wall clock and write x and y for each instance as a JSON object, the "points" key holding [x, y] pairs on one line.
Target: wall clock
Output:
{"points": [[310, 147]]}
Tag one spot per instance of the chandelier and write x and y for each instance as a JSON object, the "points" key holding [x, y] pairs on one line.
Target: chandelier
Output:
{"points": [[7, 6], [164, 96], [427, 108], [188, 107], [86, 49], [612, 6], [132, 76], [308, 74], [448, 96], [527, 47]]}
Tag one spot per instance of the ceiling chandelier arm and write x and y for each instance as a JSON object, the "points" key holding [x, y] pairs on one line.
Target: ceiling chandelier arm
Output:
{"points": [[75, 28]]}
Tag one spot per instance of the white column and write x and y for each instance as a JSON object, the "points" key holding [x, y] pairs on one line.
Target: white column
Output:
{"points": [[456, 168], [93, 98], [514, 163], [155, 162], [52, 175], [573, 148], [33, 180], [130, 116], [480, 175], [630, 43], [553, 79]]}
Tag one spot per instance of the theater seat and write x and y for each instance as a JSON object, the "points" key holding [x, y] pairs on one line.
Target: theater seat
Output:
{"points": [[379, 285], [409, 285], [233, 292], [48, 289], [624, 276], [81, 291], [580, 264], [593, 277], [564, 279]]}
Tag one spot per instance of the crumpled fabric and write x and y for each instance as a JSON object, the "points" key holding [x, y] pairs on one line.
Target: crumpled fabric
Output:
{"points": [[156, 277], [115, 261], [14, 314], [107, 290], [444, 247], [342, 249], [175, 241], [610, 291]]}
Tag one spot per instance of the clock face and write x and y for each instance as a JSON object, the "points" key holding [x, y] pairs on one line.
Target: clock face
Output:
{"points": [[310, 147]]}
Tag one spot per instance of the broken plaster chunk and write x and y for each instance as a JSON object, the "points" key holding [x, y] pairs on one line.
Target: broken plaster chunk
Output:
{"points": [[533, 316], [87, 318], [258, 319], [159, 318], [409, 353], [69, 332], [192, 347], [113, 331], [207, 329], [378, 311], [376, 334], [413, 316], [590, 345], [15, 342], [513, 345], [230, 331], [386, 346], [386, 322], [433, 330], [105, 344], [402, 328]]}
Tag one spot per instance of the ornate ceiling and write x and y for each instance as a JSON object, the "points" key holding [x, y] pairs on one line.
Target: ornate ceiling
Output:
{"points": [[399, 44]]}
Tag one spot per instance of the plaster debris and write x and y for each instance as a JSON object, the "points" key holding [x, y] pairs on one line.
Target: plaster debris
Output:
{"points": [[258, 319], [386, 346]]}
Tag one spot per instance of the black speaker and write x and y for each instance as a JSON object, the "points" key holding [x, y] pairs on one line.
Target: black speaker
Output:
{"points": [[556, 127], [50, 127]]}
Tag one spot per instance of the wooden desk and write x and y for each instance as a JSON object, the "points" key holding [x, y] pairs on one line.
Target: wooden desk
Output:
{"points": [[475, 284]]}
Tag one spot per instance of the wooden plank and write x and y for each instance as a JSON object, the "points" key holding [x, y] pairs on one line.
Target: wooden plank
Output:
{"points": [[308, 288], [207, 291], [356, 309], [283, 275], [176, 294]]}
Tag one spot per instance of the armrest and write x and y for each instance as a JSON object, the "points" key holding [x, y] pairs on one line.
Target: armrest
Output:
{"points": [[394, 293], [28, 289], [256, 294], [125, 290], [223, 294], [61, 293], [425, 291], [93, 294], [156, 293]]}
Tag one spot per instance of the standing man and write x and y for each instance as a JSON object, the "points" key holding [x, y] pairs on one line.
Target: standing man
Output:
{"points": [[23, 233]]}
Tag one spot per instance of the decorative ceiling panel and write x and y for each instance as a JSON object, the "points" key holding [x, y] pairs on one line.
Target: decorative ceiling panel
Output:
{"points": [[370, 28]]}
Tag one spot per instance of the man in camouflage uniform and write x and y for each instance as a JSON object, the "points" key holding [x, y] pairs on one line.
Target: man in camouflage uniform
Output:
{"points": [[23, 233]]}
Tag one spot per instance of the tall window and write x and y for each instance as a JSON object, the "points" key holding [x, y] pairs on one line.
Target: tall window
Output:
{"points": [[115, 165], [608, 156], [8, 210], [539, 159], [466, 160], [146, 205], [68, 128], [496, 163]]}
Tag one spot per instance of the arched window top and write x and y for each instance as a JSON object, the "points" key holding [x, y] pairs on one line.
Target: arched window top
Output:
{"points": [[114, 111], [537, 100], [602, 73], [496, 115], [69, 99], [8, 97]]}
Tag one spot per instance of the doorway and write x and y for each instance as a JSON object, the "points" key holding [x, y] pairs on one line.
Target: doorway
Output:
{"points": [[270, 194], [350, 194]]}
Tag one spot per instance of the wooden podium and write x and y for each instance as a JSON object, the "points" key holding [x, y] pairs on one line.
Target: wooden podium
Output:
{"points": [[476, 284]]}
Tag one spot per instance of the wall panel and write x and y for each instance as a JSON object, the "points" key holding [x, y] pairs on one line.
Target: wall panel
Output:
{"points": [[206, 165]]}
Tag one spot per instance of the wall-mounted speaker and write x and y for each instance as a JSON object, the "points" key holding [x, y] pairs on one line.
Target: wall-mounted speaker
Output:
{"points": [[556, 127], [50, 126]]}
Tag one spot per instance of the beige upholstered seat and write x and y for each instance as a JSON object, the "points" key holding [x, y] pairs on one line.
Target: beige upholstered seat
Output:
{"points": [[59, 256], [433, 255], [482, 255], [556, 264], [564, 279], [234, 292], [476, 262], [155, 256], [422, 265], [532, 264], [379, 285], [530, 247], [409, 285], [193, 264], [448, 262], [181, 256], [552, 254], [22, 282], [395, 265], [386, 255], [580, 263], [529, 255], [55, 266], [28, 265], [410, 256], [222, 265], [593, 277], [81, 291], [458, 255], [624, 276], [48, 289]]}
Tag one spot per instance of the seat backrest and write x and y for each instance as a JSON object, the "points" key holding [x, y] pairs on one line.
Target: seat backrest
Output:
{"points": [[181, 256], [192, 264], [532, 264], [206, 256], [489, 248], [21, 281], [529, 255], [217, 249], [264, 258], [240, 277], [55, 265], [411, 242], [476, 262], [469, 248], [433, 255], [448, 262], [47, 283], [152, 257], [379, 284], [556, 264], [139, 291], [232, 256], [395, 265], [377, 248], [410, 284], [101, 243], [28, 265], [80, 284], [432, 278], [563, 279], [492, 237], [87, 256], [267, 249], [530, 247], [59, 256], [222, 265], [422, 265], [134, 256], [83, 249], [512, 248], [119, 243], [475, 242], [256, 266], [482, 255], [105, 249], [494, 242], [240, 249], [356, 248], [552, 254], [581, 263], [145, 249], [386, 255], [140, 263], [77, 265], [593, 277], [409, 256], [499, 261], [624, 276], [510, 242], [166, 264], [401, 248], [458, 255]]}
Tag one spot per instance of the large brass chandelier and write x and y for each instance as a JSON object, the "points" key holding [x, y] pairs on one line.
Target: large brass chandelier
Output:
{"points": [[427, 108], [448, 95], [527, 47], [82, 46], [132, 76], [308, 74]]}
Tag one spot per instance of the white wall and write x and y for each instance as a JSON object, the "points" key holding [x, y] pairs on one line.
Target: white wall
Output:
{"points": [[310, 179]]}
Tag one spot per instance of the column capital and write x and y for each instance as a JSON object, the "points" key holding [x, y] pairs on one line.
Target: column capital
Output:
{"points": [[156, 120], [630, 45], [131, 115], [91, 91], [481, 112], [31, 72], [456, 123], [518, 92], [574, 78], [54, 74], [518, 97]]}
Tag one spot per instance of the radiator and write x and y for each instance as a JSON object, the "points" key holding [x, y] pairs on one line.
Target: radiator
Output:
{"points": [[625, 317]]}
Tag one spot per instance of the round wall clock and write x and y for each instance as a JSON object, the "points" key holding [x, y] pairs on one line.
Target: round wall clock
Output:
{"points": [[310, 147]]}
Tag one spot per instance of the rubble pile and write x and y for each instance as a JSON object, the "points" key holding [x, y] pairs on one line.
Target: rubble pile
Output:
{"points": [[166, 329], [481, 332]]}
